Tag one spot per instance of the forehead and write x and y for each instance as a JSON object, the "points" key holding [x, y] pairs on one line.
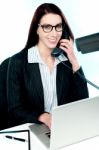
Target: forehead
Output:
{"points": [[50, 18]]}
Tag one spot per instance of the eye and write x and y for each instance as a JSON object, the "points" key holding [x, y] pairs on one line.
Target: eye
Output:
{"points": [[47, 26], [59, 25]]}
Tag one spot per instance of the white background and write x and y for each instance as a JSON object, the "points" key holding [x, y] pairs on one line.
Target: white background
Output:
{"points": [[82, 15]]}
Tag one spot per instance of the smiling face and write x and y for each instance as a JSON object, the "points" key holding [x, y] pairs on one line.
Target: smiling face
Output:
{"points": [[49, 40]]}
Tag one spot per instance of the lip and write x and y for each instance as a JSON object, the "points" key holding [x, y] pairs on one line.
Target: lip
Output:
{"points": [[52, 40]]}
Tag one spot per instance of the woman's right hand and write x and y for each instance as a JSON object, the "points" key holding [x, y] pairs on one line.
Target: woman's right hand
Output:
{"points": [[46, 119]]}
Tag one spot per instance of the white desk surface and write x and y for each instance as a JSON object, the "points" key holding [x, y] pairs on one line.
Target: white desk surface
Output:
{"points": [[90, 144]]}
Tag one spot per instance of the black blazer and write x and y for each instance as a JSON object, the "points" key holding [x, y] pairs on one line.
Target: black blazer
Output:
{"points": [[25, 91], [4, 120]]}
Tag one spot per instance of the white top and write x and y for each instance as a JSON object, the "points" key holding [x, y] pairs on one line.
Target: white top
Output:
{"points": [[48, 77]]}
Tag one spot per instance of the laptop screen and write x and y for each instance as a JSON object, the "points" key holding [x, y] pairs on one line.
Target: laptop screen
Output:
{"points": [[74, 122]]}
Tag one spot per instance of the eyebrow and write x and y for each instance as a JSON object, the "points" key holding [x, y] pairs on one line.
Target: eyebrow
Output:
{"points": [[50, 24]]}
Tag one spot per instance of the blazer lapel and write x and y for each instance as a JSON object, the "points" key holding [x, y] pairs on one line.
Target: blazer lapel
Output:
{"points": [[35, 79], [59, 82]]}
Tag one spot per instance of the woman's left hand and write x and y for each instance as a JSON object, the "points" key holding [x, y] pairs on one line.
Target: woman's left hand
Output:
{"points": [[68, 47]]}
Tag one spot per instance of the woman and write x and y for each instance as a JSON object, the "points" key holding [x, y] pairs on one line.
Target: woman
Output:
{"points": [[37, 81]]}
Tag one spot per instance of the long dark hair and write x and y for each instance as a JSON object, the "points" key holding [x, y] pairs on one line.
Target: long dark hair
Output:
{"points": [[42, 10]]}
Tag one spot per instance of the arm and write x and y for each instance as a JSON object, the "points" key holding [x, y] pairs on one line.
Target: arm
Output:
{"points": [[79, 85], [80, 89], [15, 84]]}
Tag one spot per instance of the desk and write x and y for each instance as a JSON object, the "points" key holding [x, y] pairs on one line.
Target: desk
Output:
{"points": [[90, 144]]}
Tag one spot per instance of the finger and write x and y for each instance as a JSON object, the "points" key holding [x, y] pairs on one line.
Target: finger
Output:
{"points": [[64, 49], [64, 40], [65, 45]]}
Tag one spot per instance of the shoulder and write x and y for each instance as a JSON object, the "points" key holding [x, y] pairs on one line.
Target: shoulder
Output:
{"points": [[65, 65], [19, 57], [17, 62], [4, 63]]}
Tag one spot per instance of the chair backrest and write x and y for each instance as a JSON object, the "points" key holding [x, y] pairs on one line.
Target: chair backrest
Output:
{"points": [[3, 99]]}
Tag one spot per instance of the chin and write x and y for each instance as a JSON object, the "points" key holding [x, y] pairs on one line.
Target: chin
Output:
{"points": [[52, 46]]}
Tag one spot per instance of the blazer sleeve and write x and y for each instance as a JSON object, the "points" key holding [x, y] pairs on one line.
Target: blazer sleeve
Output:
{"points": [[70, 86], [17, 111], [79, 86]]}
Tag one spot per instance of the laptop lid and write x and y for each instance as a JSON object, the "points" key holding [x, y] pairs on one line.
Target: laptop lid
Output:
{"points": [[74, 122], [87, 44], [71, 123]]}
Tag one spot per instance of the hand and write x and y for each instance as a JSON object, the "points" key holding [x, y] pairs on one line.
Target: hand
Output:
{"points": [[67, 46], [46, 119]]}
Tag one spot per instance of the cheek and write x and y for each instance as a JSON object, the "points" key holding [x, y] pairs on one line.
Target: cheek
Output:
{"points": [[59, 35], [42, 37], [40, 33]]}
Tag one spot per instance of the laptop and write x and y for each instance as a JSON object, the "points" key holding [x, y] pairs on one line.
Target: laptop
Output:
{"points": [[88, 43], [71, 123]]}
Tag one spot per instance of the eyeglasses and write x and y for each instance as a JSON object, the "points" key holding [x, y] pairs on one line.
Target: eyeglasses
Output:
{"points": [[48, 28]]}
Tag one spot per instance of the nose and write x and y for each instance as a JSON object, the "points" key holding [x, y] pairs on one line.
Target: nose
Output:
{"points": [[54, 32]]}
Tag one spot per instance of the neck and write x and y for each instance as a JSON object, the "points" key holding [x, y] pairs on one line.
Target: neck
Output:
{"points": [[45, 53]]}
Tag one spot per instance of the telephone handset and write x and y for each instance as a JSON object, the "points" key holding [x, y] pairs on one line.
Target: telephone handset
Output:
{"points": [[58, 51]]}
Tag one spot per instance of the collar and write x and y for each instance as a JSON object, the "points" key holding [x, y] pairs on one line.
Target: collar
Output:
{"points": [[34, 56]]}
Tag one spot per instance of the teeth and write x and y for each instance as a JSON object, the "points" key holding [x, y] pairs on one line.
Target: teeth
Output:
{"points": [[52, 39]]}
